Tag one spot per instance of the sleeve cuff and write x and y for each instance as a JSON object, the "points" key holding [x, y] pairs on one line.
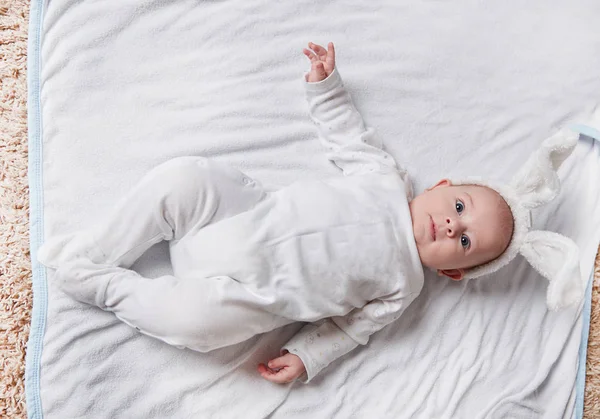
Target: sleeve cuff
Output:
{"points": [[333, 80]]}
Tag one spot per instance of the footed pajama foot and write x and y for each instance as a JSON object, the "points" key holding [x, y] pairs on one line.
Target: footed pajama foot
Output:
{"points": [[67, 247], [85, 281]]}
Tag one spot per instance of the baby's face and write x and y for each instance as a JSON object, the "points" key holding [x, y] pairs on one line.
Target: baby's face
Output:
{"points": [[459, 227]]}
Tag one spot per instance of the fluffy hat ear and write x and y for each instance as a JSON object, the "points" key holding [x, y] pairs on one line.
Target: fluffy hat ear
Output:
{"points": [[555, 257], [537, 183]]}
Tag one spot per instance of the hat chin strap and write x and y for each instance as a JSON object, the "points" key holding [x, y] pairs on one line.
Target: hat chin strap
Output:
{"points": [[556, 258]]}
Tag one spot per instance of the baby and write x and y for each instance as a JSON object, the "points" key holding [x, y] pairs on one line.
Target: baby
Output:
{"points": [[344, 254]]}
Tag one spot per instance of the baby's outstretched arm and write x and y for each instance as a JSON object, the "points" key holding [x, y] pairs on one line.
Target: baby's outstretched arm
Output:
{"points": [[353, 147], [320, 343]]}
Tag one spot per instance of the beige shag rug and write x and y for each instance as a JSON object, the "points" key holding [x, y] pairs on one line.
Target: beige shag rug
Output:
{"points": [[15, 264]]}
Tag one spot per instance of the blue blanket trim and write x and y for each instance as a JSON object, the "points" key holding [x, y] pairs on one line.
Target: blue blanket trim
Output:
{"points": [[587, 306], [586, 130], [581, 362], [36, 219], [36, 231]]}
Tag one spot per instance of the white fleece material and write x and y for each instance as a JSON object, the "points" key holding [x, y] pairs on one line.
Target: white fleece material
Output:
{"points": [[454, 89]]}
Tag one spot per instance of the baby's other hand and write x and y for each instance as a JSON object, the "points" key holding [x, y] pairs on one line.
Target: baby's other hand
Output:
{"points": [[322, 61], [283, 369]]}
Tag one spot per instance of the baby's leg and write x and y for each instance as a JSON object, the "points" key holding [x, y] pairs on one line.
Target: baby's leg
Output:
{"points": [[171, 199], [198, 313], [180, 195]]}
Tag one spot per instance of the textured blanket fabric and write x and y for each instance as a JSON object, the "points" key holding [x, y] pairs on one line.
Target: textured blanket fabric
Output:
{"points": [[454, 90]]}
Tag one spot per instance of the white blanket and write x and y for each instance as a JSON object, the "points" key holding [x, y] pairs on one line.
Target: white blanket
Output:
{"points": [[455, 89]]}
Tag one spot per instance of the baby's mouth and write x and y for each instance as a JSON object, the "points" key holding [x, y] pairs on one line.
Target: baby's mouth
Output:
{"points": [[432, 228]]}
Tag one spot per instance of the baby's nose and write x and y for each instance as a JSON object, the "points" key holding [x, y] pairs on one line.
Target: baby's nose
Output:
{"points": [[452, 227]]}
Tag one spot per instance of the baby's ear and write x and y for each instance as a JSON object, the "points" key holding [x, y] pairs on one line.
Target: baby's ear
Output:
{"points": [[443, 182], [454, 274]]}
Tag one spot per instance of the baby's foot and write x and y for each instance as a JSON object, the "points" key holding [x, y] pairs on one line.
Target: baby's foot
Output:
{"points": [[84, 280], [64, 248]]}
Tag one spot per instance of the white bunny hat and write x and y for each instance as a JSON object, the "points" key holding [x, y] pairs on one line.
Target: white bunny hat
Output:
{"points": [[554, 256]]}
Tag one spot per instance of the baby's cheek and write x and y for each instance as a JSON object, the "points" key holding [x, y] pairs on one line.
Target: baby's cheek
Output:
{"points": [[443, 253]]}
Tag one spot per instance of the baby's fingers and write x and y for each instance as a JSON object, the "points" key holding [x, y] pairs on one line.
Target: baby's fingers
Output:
{"points": [[311, 55], [321, 52], [280, 377], [330, 55]]}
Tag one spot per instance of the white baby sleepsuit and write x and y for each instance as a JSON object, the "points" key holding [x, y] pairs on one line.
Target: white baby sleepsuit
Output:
{"points": [[338, 253]]}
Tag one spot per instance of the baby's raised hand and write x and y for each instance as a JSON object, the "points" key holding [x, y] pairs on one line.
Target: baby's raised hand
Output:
{"points": [[283, 369], [322, 61]]}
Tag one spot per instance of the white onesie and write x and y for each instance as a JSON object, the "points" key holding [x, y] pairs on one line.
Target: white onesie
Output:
{"points": [[338, 253]]}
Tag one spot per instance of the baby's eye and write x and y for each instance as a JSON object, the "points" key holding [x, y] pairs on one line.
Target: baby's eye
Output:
{"points": [[464, 240], [459, 206]]}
